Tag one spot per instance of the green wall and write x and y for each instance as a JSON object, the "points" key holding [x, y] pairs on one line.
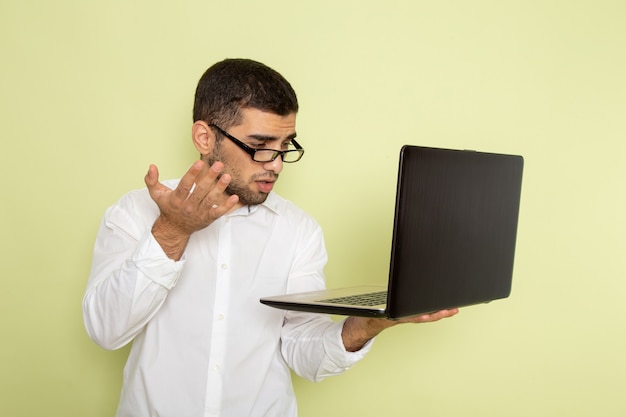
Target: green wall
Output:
{"points": [[92, 92]]}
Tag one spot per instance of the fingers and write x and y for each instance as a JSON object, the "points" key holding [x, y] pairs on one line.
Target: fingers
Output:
{"points": [[208, 200], [432, 317], [186, 184], [197, 201], [439, 315], [207, 181], [221, 209], [201, 191]]}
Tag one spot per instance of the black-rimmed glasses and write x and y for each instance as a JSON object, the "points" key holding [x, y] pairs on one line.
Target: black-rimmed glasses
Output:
{"points": [[266, 155]]}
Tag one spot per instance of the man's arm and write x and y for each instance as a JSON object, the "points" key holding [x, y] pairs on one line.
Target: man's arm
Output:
{"points": [[134, 264], [357, 331]]}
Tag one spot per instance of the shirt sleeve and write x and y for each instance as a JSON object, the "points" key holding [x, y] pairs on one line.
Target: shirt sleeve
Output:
{"points": [[130, 276], [313, 347], [311, 343]]}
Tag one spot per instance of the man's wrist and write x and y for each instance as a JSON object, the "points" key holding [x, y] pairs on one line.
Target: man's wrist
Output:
{"points": [[357, 331], [172, 241]]}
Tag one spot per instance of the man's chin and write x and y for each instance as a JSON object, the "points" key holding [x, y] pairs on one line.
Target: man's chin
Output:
{"points": [[252, 199]]}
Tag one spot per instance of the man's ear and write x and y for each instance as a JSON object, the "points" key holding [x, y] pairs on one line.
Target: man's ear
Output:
{"points": [[203, 137]]}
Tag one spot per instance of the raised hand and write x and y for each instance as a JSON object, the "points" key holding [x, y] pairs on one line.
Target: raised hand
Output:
{"points": [[197, 201]]}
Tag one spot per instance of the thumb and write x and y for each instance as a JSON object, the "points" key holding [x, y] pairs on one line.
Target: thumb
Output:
{"points": [[155, 188], [152, 177]]}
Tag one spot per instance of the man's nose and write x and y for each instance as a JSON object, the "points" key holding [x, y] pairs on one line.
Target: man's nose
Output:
{"points": [[275, 166]]}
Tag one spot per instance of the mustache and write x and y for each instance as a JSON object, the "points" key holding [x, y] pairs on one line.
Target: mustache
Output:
{"points": [[266, 176]]}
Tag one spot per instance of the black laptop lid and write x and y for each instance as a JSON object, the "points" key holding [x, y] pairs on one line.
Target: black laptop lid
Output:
{"points": [[456, 223]]}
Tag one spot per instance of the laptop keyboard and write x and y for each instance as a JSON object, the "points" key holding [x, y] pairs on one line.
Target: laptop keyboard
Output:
{"points": [[369, 299]]}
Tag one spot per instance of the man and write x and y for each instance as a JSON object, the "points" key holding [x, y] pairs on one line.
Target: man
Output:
{"points": [[179, 267]]}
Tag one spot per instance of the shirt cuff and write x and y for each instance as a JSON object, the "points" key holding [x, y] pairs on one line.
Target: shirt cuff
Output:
{"points": [[153, 263], [336, 351]]}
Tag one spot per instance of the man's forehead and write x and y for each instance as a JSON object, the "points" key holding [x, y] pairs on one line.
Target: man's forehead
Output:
{"points": [[259, 119]]}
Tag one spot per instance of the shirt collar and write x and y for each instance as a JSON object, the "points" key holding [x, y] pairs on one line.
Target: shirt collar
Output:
{"points": [[271, 203]]}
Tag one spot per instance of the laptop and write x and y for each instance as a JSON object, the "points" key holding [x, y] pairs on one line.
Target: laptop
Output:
{"points": [[453, 242]]}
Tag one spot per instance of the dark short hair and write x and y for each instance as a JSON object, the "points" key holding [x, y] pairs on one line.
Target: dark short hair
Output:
{"points": [[234, 84]]}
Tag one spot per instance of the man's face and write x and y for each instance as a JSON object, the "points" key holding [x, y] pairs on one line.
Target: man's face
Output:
{"points": [[252, 181]]}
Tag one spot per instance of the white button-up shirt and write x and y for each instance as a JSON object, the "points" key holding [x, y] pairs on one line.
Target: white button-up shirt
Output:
{"points": [[203, 344]]}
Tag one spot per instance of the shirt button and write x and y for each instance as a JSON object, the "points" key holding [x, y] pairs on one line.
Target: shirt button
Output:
{"points": [[224, 267], [220, 317]]}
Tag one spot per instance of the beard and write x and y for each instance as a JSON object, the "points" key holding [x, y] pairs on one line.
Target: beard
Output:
{"points": [[238, 186], [247, 197]]}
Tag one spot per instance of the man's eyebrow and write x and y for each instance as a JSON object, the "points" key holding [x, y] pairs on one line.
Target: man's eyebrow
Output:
{"points": [[269, 138]]}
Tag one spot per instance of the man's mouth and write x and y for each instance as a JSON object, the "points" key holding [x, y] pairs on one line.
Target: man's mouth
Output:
{"points": [[265, 186]]}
